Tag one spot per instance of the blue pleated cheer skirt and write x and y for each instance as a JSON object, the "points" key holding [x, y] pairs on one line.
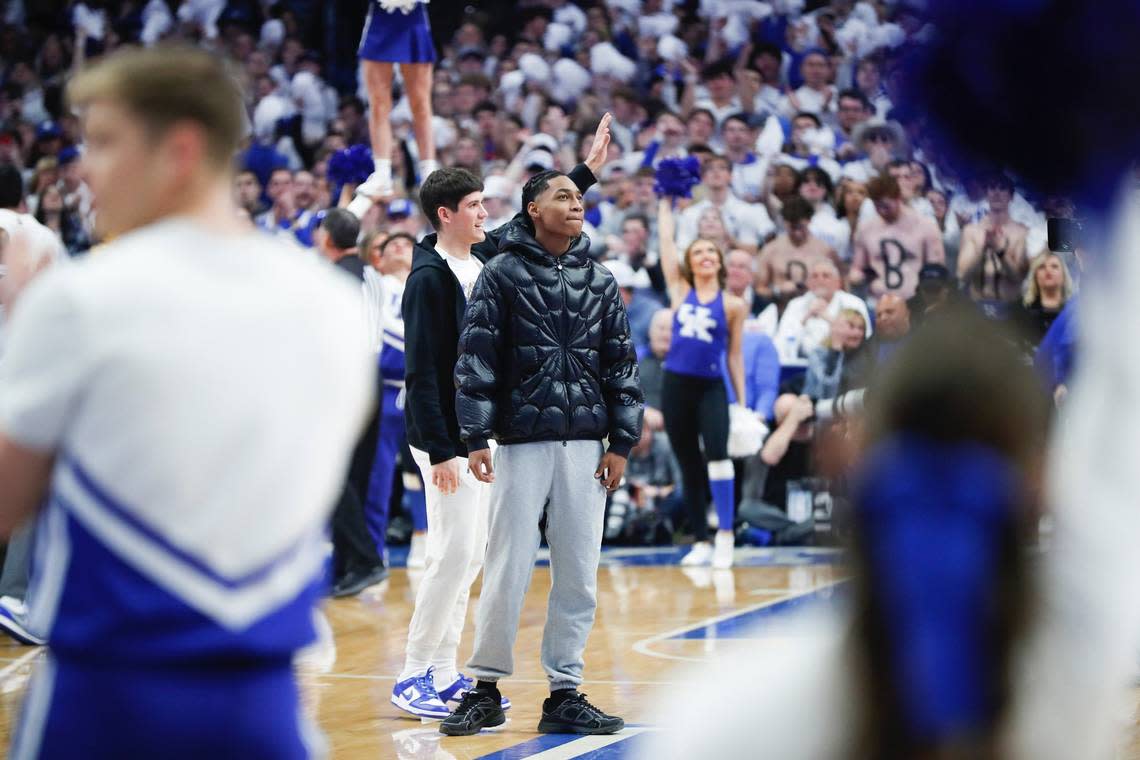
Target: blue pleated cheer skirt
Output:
{"points": [[396, 37]]}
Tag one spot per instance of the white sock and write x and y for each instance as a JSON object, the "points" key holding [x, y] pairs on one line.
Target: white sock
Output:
{"points": [[383, 168], [444, 676], [427, 166], [415, 668]]}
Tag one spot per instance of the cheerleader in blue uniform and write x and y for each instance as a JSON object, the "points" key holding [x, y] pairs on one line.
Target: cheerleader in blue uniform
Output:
{"points": [[708, 328], [397, 31]]}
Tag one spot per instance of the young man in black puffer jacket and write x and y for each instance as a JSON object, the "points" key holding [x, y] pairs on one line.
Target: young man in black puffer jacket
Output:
{"points": [[445, 267], [546, 367]]}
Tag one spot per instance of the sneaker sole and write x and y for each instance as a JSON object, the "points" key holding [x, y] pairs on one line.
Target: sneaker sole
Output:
{"points": [[561, 728], [416, 711], [359, 588], [492, 722], [17, 632]]}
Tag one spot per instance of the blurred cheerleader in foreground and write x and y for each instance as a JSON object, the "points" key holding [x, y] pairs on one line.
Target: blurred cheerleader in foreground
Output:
{"points": [[917, 660]]}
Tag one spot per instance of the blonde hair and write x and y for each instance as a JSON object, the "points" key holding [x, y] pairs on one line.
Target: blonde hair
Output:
{"points": [[851, 314], [687, 269], [1032, 293], [168, 84]]}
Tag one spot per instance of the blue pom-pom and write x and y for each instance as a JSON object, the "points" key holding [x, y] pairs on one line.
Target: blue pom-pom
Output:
{"points": [[350, 166], [676, 177], [1039, 88]]}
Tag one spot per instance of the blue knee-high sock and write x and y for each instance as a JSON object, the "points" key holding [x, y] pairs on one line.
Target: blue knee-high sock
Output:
{"points": [[721, 482], [415, 502], [722, 493]]}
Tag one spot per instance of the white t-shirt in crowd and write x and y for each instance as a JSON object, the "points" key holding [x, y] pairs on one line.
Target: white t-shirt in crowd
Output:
{"points": [[720, 113], [795, 337], [809, 101], [748, 223], [832, 230], [465, 270], [749, 176], [213, 384]]}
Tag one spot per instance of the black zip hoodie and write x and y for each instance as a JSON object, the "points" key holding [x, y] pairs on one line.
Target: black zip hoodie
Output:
{"points": [[433, 310]]}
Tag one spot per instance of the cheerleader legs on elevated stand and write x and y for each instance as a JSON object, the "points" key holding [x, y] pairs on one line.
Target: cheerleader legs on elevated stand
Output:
{"points": [[394, 36]]}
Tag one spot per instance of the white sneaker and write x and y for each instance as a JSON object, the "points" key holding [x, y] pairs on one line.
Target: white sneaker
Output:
{"points": [[14, 622], [420, 742], [722, 554], [417, 695], [700, 554], [417, 551], [375, 187]]}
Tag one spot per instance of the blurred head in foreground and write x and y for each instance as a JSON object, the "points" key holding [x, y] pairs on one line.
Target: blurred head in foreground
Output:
{"points": [[160, 129], [944, 505]]}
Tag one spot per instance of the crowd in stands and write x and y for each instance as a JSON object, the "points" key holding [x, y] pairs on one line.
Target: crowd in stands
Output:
{"points": [[840, 224]]}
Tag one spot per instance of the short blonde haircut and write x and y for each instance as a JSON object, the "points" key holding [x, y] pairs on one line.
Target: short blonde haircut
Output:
{"points": [[1033, 293], [168, 84]]}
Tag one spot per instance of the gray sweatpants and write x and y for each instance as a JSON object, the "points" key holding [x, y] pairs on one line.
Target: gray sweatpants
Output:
{"points": [[17, 562], [529, 477]]}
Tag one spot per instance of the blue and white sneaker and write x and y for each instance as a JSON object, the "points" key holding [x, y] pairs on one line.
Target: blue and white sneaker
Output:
{"points": [[417, 695], [13, 621], [463, 684]]}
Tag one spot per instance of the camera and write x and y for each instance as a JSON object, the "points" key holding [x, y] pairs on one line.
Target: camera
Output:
{"points": [[840, 407], [1065, 235]]}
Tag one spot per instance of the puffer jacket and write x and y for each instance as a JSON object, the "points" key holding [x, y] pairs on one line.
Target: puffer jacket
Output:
{"points": [[546, 353]]}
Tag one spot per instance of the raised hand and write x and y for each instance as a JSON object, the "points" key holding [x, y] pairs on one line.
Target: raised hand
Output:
{"points": [[600, 148]]}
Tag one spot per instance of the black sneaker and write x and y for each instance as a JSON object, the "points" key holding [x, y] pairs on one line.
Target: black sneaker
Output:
{"points": [[479, 709], [356, 581], [574, 715]]}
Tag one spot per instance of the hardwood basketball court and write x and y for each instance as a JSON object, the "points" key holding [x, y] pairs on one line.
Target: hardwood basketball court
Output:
{"points": [[653, 617]]}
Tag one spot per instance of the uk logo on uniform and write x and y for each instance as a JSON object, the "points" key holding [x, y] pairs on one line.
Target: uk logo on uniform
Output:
{"points": [[696, 322]]}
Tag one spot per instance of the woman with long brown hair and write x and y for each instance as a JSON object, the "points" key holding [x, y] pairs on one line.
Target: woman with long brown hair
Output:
{"points": [[708, 329]]}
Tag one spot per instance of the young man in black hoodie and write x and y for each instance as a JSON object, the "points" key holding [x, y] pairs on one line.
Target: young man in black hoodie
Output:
{"points": [[445, 267], [547, 367]]}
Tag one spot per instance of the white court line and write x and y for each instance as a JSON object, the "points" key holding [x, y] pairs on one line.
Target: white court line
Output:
{"points": [[642, 646], [376, 677], [579, 747], [14, 665]]}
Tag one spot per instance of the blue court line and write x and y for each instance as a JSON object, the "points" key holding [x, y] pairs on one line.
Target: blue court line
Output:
{"points": [[668, 556], [671, 555], [750, 620], [543, 742], [615, 751], [531, 747]]}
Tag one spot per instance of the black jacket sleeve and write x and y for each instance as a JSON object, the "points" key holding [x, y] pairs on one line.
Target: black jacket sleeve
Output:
{"points": [[581, 176], [621, 383], [424, 310], [479, 369]]}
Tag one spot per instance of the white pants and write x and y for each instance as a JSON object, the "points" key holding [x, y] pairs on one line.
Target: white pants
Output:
{"points": [[456, 544]]}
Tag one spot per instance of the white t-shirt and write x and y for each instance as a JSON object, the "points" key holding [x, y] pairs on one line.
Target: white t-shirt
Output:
{"points": [[215, 386], [832, 230], [829, 165], [748, 223], [809, 101], [720, 113], [748, 177], [465, 270], [795, 337]]}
